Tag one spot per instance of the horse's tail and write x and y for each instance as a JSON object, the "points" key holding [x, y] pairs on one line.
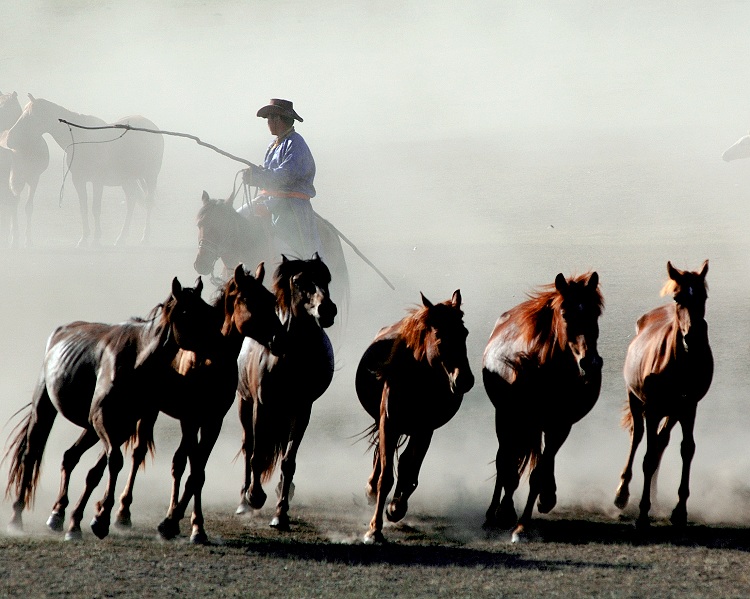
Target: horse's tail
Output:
{"points": [[269, 459], [531, 451], [143, 435], [627, 417], [29, 439]]}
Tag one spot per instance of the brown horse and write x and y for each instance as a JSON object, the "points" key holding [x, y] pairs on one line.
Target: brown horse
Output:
{"points": [[276, 390], [104, 378], [225, 234], [411, 380], [102, 157], [542, 373], [27, 162], [668, 369], [207, 391]]}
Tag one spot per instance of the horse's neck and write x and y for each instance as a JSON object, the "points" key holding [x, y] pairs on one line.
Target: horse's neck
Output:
{"points": [[64, 135], [243, 238], [9, 117], [155, 342]]}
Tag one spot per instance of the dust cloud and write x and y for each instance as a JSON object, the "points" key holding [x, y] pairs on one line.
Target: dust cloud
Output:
{"points": [[486, 148]]}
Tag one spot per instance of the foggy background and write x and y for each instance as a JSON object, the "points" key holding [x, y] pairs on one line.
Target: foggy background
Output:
{"points": [[486, 148]]}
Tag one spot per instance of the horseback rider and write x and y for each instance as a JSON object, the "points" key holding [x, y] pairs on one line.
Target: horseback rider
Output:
{"points": [[285, 183]]}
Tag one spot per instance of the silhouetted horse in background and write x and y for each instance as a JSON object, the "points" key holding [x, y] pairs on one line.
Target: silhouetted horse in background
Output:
{"points": [[104, 378], [277, 388], [206, 392], [668, 369], [131, 160], [411, 380], [542, 372], [225, 234], [738, 150], [27, 162]]}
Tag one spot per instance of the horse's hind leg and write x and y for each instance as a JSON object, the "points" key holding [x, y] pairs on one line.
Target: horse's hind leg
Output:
{"points": [[687, 451], [29, 209], [169, 528], [71, 457], [371, 488], [97, 189], [288, 466], [635, 406], [143, 437], [83, 206], [502, 512], [132, 191], [409, 464]]}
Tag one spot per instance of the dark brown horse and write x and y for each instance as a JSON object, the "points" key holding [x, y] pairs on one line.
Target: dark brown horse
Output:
{"points": [[542, 372], [225, 234], [668, 369], [411, 380], [276, 390], [26, 162], [102, 157], [207, 391], [104, 378]]}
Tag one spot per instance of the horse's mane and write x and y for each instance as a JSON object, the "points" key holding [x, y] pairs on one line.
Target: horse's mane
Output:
{"points": [[671, 286], [412, 329], [540, 321]]}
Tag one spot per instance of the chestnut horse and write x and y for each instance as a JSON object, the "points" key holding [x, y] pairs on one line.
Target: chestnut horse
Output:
{"points": [[277, 389], [102, 157], [411, 380], [104, 378], [542, 373], [207, 391], [27, 162], [225, 234], [668, 369]]}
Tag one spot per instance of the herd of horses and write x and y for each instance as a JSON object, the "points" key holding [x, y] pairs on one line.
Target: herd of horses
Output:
{"points": [[268, 349]]}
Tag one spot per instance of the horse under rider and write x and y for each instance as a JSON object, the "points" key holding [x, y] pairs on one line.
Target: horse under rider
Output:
{"points": [[285, 183]]}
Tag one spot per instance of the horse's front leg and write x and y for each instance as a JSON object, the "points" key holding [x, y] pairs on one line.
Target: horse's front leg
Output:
{"points": [[100, 522], [93, 478], [29, 209], [262, 445], [169, 528], [656, 443], [144, 435], [97, 190], [246, 420], [131, 194], [196, 480], [622, 496], [687, 451], [409, 464], [71, 457], [288, 466], [542, 482]]}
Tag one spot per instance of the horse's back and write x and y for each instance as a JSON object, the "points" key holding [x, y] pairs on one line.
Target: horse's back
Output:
{"points": [[139, 154]]}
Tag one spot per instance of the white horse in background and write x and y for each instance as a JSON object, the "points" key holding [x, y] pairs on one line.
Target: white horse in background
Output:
{"points": [[26, 165], [739, 149], [128, 159]]}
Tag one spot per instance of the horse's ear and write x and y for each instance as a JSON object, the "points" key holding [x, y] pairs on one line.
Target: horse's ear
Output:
{"points": [[205, 197], [704, 269], [425, 302], [316, 256], [15, 95], [560, 283], [239, 272], [198, 285], [176, 288], [260, 272], [284, 258], [593, 280], [672, 271], [456, 299], [32, 98]]}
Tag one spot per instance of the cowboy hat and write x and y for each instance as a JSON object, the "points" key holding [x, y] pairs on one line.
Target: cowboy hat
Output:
{"points": [[282, 107]]}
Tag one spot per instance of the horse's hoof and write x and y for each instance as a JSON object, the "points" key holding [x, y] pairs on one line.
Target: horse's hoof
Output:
{"points": [[256, 499], [100, 527], [621, 500], [15, 527], [168, 529], [396, 510], [280, 522], [199, 538], [123, 521], [374, 537], [679, 517], [244, 507], [55, 521], [546, 503], [74, 535]]}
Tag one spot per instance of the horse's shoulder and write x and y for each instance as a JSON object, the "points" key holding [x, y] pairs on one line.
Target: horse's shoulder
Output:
{"points": [[657, 318]]}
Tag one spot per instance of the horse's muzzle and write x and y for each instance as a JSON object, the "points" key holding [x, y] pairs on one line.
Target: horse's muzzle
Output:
{"points": [[327, 314], [461, 380], [590, 364]]}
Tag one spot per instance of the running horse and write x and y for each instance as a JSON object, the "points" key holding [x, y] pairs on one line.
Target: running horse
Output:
{"points": [[25, 164], [207, 391], [411, 380], [103, 378], [668, 370], [277, 389], [542, 373], [131, 160], [225, 234], [738, 150]]}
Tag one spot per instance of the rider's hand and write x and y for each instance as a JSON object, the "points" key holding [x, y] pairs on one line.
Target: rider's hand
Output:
{"points": [[261, 209], [247, 176]]}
